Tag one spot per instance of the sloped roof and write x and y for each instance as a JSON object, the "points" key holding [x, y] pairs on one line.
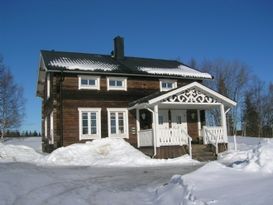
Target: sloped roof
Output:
{"points": [[58, 60]]}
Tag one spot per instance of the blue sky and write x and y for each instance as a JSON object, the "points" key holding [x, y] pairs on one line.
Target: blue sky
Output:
{"points": [[211, 29]]}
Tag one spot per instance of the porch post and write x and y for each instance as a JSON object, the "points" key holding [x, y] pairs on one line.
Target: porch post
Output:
{"points": [[155, 123], [199, 124], [223, 121], [137, 127]]}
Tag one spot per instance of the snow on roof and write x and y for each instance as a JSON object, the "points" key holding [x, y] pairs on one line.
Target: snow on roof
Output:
{"points": [[82, 64], [181, 70]]}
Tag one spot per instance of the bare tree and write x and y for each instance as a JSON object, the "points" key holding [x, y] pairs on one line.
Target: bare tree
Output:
{"points": [[230, 79], [11, 101]]}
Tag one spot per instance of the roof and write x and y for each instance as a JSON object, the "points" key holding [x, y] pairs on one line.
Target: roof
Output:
{"points": [[76, 62], [193, 93]]}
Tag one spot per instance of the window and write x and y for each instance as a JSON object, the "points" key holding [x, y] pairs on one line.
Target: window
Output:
{"points": [[47, 86], [118, 122], [89, 82], [166, 85], [116, 83], [160, 120], [89, 123]]}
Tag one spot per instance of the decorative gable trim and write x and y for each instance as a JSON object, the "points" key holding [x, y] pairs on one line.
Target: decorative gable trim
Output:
{"points": [[191, 96], [193, 93]]}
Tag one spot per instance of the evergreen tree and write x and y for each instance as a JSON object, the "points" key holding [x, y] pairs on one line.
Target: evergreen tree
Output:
{"points": [[251, 117]]}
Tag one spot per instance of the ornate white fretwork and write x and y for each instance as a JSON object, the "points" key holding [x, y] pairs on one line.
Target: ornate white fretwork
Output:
{"points": [[190, 96]]}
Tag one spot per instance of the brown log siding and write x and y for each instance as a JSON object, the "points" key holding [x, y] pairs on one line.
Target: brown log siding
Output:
{"points": [[73, 98]]}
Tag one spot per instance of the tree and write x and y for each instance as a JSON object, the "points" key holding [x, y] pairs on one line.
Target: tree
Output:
{"points": [[11, 101], [231, 79], [250, 116]]}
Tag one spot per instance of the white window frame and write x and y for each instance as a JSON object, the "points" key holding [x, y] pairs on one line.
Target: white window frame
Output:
{"points": [[124, 83], [51, 129], [98, 123], [47, 85], [89, 87], [125, 124], [45, 127], [173, 82]]}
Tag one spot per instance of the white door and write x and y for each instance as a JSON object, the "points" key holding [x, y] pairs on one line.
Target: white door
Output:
{"points": [[179, 119], [163, 119]]}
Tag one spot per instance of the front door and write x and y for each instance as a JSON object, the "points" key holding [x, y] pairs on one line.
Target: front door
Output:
{"points": [[179, 119], [192, 120]]}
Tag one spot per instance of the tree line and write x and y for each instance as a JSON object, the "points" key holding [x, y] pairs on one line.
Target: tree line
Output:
{"points": [[17, 133], [253, 115]]}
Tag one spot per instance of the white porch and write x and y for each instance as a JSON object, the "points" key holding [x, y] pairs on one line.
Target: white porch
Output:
{"points": [[174, 129]]}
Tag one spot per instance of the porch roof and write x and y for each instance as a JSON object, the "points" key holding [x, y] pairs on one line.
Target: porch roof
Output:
{"points": [[192, 95]]}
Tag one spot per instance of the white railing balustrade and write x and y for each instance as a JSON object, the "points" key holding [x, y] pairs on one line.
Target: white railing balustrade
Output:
{"points": [[172, 136], [213, 134], [146, 138]]}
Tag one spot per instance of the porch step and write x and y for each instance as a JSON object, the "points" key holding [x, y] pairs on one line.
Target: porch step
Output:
{"points": [[202, 152]]}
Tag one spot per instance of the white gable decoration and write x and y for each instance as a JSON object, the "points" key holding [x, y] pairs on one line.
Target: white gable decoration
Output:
{"points": [[191, 96], [193, 93]]}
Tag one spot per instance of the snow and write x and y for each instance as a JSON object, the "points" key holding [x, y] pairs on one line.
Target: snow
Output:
{"points": [[116, 173], [106, 152], [33, 142], [82, 64], [181, 70], [91, 65], [102, 152]]}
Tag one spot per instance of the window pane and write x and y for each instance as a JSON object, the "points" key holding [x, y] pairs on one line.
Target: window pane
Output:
{"points": [[113, 123], [84, 81], [112, 82], [93, 123], [92, 82], [164, 85], [121, 123], [84, 123], [160, 119], [178, 119], [170, 85], [84, 130], [119, 83]]}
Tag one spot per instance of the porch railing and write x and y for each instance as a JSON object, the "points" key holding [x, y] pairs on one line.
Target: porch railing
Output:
{"points": [[145, 138], [172, 136], [214, 136], [165, 137]]}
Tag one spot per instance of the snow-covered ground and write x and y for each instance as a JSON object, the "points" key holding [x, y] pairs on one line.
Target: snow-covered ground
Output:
{"points": [[112, 172]]}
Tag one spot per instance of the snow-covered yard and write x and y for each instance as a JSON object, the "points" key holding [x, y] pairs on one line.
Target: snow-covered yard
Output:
{"points": [[101, 173]]}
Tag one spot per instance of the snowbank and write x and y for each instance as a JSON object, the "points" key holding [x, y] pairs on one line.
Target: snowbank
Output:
{"points": [[175, 192], [20, 153], [103, 152], [257, 159]]}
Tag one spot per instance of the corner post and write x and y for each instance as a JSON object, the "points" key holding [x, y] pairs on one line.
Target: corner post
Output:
{"points": [[223, 121], [155, 123], [137, 127]]}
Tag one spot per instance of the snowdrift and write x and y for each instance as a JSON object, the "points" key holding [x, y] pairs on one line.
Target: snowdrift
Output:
{"points": [[257, 159], [102, 152], [175, 192], [21, 153]]}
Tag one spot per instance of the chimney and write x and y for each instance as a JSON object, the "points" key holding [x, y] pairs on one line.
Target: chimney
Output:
{"points": [[118, 48]]}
